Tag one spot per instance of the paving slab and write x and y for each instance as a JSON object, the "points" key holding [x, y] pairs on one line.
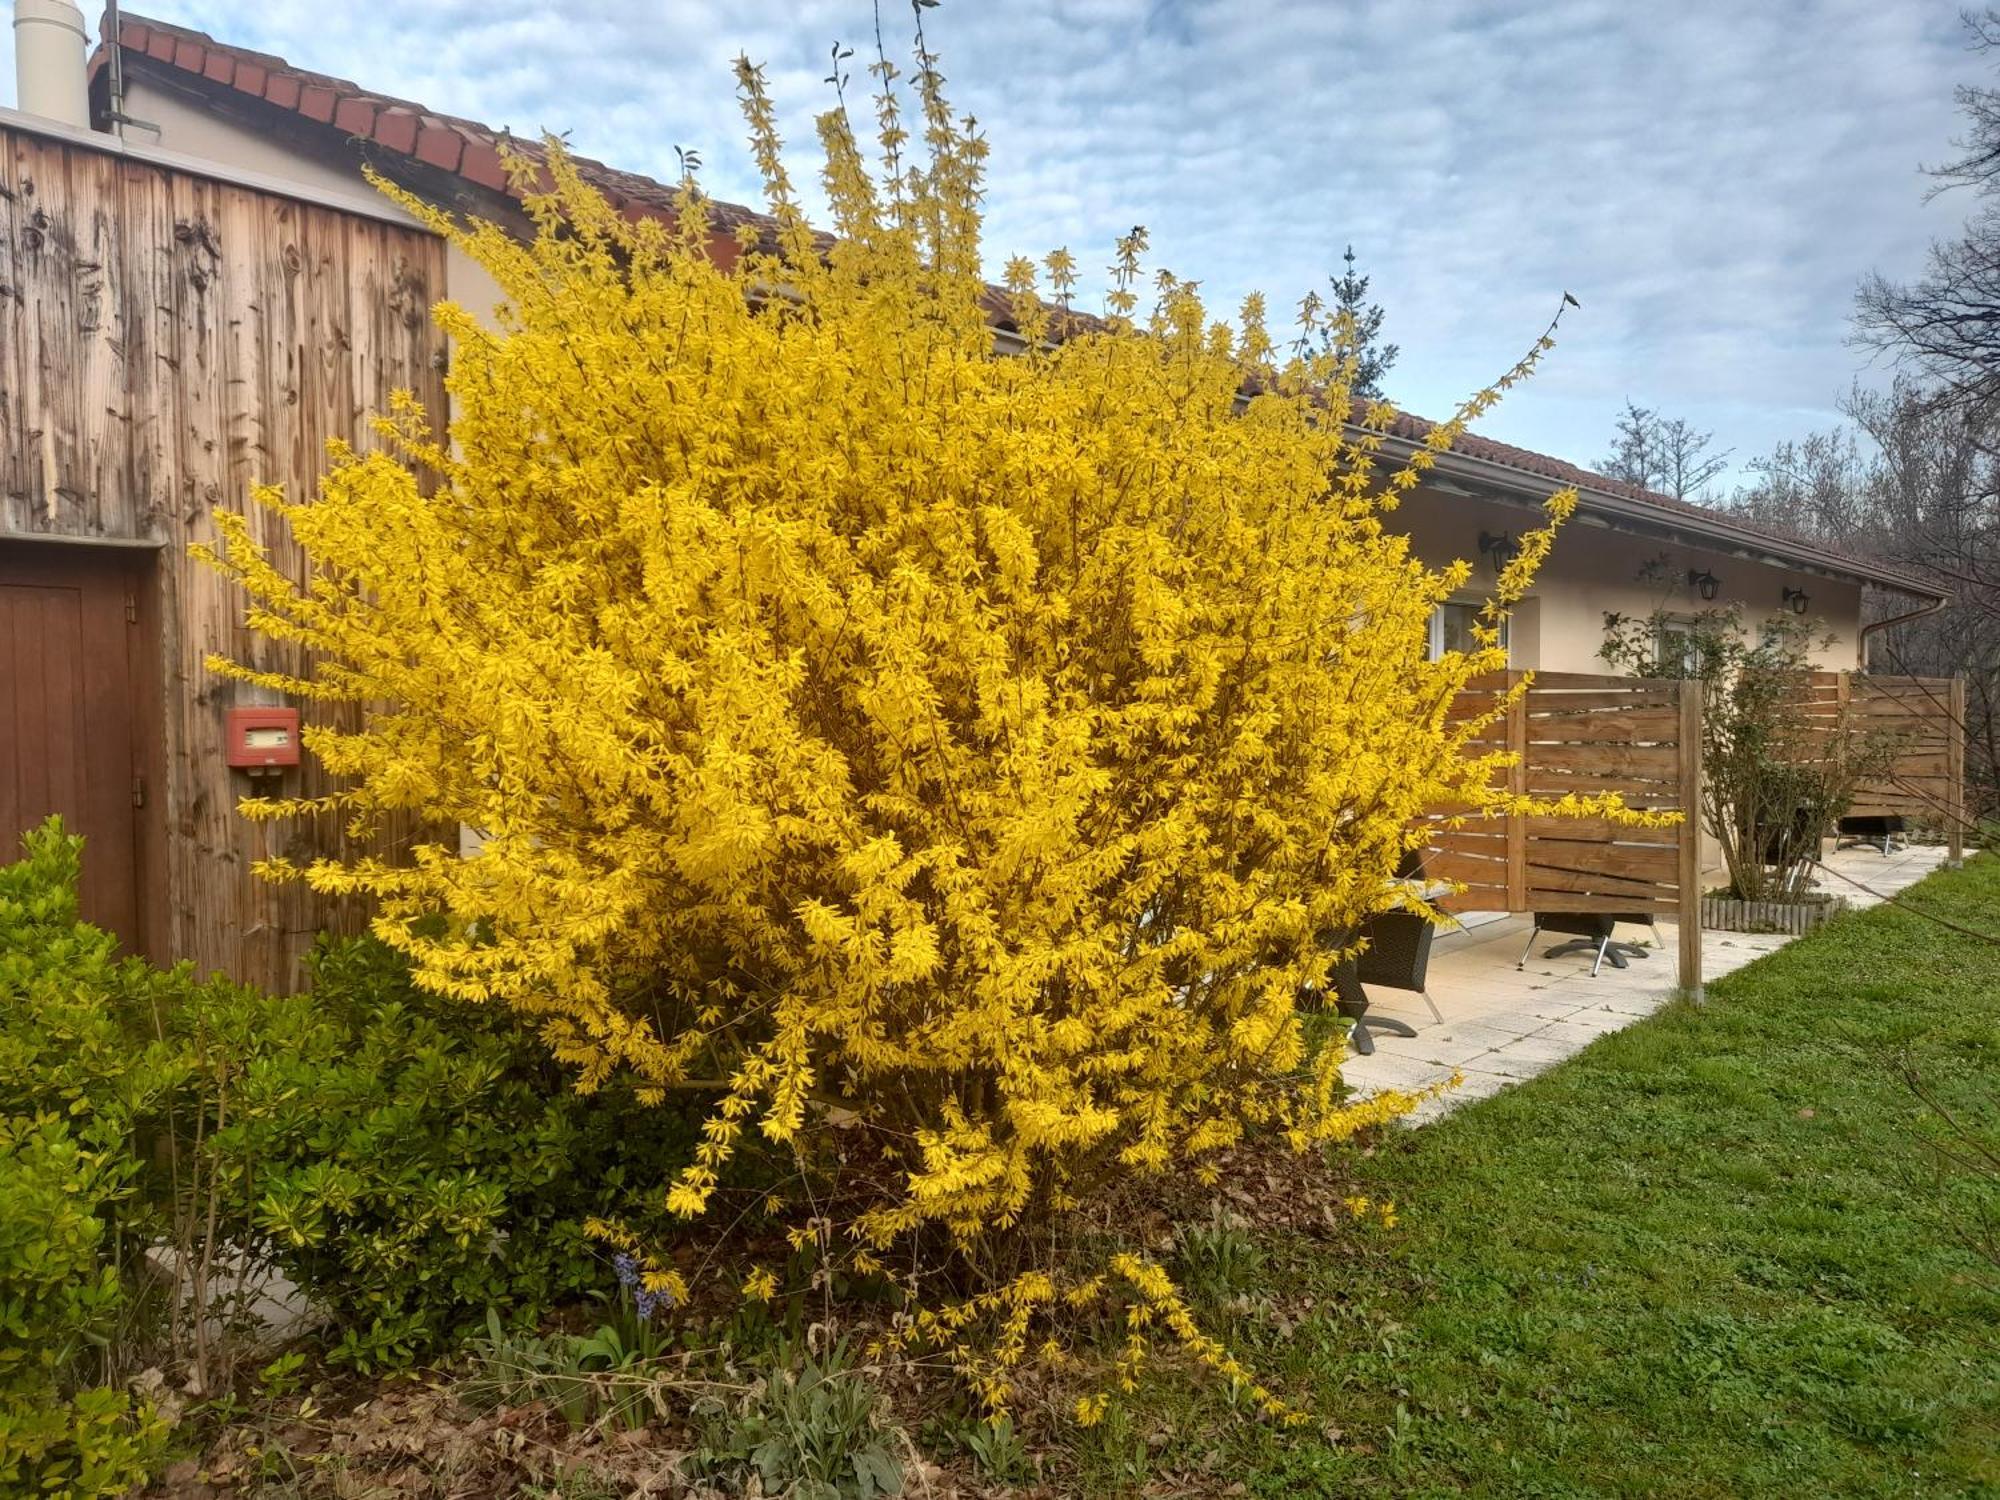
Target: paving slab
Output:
{"points": [[1503, 1025]]}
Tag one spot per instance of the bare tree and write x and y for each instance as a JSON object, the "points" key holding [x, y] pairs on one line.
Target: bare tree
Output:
{"points": [[1814, 486], [1945, 325], [1663, 454], [1913, 478]]}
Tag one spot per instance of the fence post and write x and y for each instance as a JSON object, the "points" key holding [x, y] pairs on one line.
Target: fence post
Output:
{"points": [[1690, 840], [1954, 768], [1517, 782]]}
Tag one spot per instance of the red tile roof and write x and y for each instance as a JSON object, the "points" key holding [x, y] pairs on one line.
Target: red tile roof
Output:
{"points": [[402, 126], [472, 151]]}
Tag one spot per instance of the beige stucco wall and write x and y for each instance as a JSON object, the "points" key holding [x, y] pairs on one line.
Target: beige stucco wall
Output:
{"points": [[192, 131], [1594, 571]]}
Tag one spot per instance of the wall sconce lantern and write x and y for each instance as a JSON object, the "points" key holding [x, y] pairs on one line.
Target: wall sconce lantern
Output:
{"points": [[1498, 550], [1798, 601], [1705, 584]]}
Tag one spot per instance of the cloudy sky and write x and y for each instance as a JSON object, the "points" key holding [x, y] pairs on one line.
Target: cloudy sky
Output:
{"points": [[1709, 179]]}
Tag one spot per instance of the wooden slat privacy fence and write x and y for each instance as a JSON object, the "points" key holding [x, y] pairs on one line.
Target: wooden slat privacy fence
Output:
{"points": [[1925, 718], [1586, 733]]}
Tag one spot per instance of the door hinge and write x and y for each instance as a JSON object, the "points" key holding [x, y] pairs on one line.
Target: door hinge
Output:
{"points": [[131, 608], [138, 791]]}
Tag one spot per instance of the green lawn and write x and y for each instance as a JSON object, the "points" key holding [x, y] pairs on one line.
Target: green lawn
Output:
{"points": [[1708, 1257]]}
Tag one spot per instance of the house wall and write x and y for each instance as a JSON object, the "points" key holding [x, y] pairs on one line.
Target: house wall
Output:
{"points": [[190, 130], [168, 340], [1594, 570]]}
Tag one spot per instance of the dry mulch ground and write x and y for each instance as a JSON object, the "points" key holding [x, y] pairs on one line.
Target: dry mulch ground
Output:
{"points": [[425, 1437]]}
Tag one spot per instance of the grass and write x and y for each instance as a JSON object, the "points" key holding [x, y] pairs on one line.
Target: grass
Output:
{"points": [[1710, 1256]]}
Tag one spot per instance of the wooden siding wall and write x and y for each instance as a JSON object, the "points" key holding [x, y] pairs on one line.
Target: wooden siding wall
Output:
{"points": [[166, 342], [1587, 733], [1926, 716]]}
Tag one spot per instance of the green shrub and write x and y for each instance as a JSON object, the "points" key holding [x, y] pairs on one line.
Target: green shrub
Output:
{"points": [[76, 1080], [411, 1162], [408, 1163]]}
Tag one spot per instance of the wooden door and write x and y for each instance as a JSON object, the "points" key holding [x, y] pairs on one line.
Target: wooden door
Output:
{"points": [[70, 702]]}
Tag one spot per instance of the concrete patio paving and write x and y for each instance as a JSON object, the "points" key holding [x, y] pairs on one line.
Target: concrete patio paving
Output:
{"points": [[1502, 1025]]}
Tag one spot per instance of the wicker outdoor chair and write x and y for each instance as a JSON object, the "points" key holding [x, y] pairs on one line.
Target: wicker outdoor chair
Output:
{"points": [[1398, 956]]}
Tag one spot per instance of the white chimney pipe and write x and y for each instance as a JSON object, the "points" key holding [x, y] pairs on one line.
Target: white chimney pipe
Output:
{"points": [[50, 43]]}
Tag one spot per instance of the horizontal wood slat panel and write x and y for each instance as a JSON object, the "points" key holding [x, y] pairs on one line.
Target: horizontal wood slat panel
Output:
{"points": [[1603, 831], [1922, 782], [1581, 734], [1619, 726], [1571, 901], [1631, 860], [1615, 888], [1556, 681], [1657, 761], [1651, 795], [1542, 703], [1448, 865]]}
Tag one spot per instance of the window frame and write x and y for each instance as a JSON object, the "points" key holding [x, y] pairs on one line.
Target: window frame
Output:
{"points": [[1675, 627], [1434, 647]]}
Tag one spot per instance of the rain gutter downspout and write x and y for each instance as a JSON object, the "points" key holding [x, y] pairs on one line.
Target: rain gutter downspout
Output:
{"points": [[1903, 619]]}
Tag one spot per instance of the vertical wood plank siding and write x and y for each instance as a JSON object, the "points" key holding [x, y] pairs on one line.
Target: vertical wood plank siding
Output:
{"points": [[166, 342]]}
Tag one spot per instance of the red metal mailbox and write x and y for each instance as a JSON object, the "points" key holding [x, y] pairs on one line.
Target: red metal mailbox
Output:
{"points": [[263, 739]]}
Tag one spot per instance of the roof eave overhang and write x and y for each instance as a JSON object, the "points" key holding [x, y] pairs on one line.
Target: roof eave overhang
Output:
{"points": [[1484, 479], [362, 205]]}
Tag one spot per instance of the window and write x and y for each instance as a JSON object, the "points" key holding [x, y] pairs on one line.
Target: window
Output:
{"points": [[1674, 649], [1452, 624]]}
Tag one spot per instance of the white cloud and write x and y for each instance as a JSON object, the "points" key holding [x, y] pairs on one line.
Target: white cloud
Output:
{"points": [[1709, 178]]}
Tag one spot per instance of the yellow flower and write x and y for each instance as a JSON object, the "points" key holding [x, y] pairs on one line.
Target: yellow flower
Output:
{"points": [[970, 756]]}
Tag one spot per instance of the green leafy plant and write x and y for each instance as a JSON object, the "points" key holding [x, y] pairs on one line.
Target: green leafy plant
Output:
{"points": [[60, 1296], [1113, 1451], [609, 1375], [74, 1087], [811, 1430], [1773, 779], [1218, 1259], [998, 1450], [282, 1376]]}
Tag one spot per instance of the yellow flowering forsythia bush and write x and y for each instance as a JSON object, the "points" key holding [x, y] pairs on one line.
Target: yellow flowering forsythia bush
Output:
{"points": [[976, 754]]}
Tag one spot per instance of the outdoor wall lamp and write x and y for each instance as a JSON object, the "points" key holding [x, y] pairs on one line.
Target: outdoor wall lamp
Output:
{"points": [[1705, 584], [1798, 601], [1498, 550]]}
